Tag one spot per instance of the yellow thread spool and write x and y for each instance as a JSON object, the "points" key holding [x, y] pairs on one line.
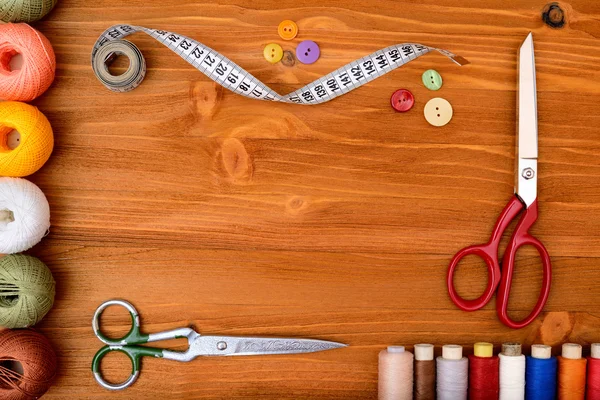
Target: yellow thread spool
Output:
{"points": [[24, 153]]}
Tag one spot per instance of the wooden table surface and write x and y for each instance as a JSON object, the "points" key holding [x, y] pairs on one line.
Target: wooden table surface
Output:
{"points": [[335, 221]]}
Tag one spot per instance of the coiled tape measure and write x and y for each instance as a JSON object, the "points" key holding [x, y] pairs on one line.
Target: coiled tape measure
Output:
{"points": [[233, 77]]}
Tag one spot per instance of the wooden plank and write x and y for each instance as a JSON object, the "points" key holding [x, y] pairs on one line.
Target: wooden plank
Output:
{"points": [[297, 281], [308, 195]]}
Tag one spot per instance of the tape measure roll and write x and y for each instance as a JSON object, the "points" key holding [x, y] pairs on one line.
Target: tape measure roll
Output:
{"points": [[233, 77], [132, 77]]}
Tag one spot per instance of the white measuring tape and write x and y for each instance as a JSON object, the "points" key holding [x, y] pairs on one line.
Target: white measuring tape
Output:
{"points": [[233, 77]]}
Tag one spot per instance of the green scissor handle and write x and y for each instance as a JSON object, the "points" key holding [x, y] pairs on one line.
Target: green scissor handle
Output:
{"points": [[134, 336], [135, 354], [123, 344]]}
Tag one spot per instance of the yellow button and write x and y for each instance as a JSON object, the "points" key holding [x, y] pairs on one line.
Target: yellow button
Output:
{"points": [[438, 111], [273, 53], [287, 29]]}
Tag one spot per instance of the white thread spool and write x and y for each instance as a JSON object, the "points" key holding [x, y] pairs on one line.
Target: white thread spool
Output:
{"points": [[24, 215], [595, 352], [395, 374], [541, 351], [512, 372], [452, 373]]}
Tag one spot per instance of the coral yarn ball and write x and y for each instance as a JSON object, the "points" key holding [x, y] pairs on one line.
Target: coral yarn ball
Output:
{"points": [[27, 62]]}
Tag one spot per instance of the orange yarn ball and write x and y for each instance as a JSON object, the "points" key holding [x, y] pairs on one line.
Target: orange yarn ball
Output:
{"points": [[39, 62], [35, 144], [37, 369]]}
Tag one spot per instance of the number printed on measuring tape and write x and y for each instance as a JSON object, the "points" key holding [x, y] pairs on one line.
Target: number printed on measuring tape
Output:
{"points": [[233, 77]]}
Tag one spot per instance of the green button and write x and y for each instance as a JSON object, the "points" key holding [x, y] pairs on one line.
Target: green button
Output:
{"points": [[432, 80]]}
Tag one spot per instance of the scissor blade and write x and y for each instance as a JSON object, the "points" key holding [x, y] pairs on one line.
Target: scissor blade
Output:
{"points": [[527, 126], [527, 107], [249, 346]]}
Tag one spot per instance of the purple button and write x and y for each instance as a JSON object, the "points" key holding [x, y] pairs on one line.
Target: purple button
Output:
{"points": [[307, 52]]}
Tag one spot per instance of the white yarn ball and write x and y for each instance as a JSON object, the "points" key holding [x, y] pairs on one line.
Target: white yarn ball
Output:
{"points": [[24, 215]]}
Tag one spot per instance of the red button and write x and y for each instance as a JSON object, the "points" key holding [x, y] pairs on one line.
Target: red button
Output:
{"points": [[402, 100]]}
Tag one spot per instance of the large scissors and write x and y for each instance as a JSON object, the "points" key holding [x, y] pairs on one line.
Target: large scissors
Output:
{"points": [[525, 199], [198, 345]]}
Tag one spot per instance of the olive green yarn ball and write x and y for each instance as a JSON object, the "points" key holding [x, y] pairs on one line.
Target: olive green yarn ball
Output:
{"points": [[25, 10], [26, 291]]}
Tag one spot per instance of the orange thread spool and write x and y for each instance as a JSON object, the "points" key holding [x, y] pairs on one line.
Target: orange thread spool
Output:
{"points": [[36, 73], [27, 364], [571, 373]]}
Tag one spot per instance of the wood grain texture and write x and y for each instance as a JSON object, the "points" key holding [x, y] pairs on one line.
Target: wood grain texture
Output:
{"points": [[335, 221]]}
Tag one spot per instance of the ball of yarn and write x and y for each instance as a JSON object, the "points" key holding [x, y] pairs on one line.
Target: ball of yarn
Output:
{"points": [[36, 73], [28, 364], [25, 10], [34, 145], [24, 215], [26, 291]]}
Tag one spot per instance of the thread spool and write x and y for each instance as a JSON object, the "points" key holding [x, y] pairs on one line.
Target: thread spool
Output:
{"points": [[25, 151], [593, 373], [540, 374], [27, 364], [25, 10], [452, 373], [424, 372], [395, 374], [22, 44], [26, 291], [571, 373], [512, 372], [24, 215], [483, 372]]}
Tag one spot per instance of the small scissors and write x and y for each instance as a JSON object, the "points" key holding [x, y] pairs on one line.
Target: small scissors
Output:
{"points": [[198, 345], [525, 198]]}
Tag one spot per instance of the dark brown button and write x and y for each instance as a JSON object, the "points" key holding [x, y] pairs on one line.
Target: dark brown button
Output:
{"points": [[288, 59]]}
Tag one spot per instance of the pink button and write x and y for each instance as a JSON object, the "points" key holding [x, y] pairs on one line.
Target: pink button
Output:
{"points": [[307, 52], [402, 100]]}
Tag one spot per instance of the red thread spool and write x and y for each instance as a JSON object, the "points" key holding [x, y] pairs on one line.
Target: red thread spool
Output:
{"points": [[593, 374], [27, 364], [483, 373]]}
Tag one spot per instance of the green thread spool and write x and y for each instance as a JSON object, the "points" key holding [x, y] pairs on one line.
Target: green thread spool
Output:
{"points": [[25, 10], [26, 291]]}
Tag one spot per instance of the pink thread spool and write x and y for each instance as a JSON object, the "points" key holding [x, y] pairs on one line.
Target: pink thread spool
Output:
{"points": [[395, 374], [27, 62]]}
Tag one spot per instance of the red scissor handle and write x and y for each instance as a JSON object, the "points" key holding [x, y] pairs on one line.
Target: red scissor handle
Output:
{"points": [[489, 253], [502, 279], [521, 237]]}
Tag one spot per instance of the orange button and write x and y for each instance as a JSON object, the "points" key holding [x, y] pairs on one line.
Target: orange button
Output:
{"points": [[287, 29]]}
